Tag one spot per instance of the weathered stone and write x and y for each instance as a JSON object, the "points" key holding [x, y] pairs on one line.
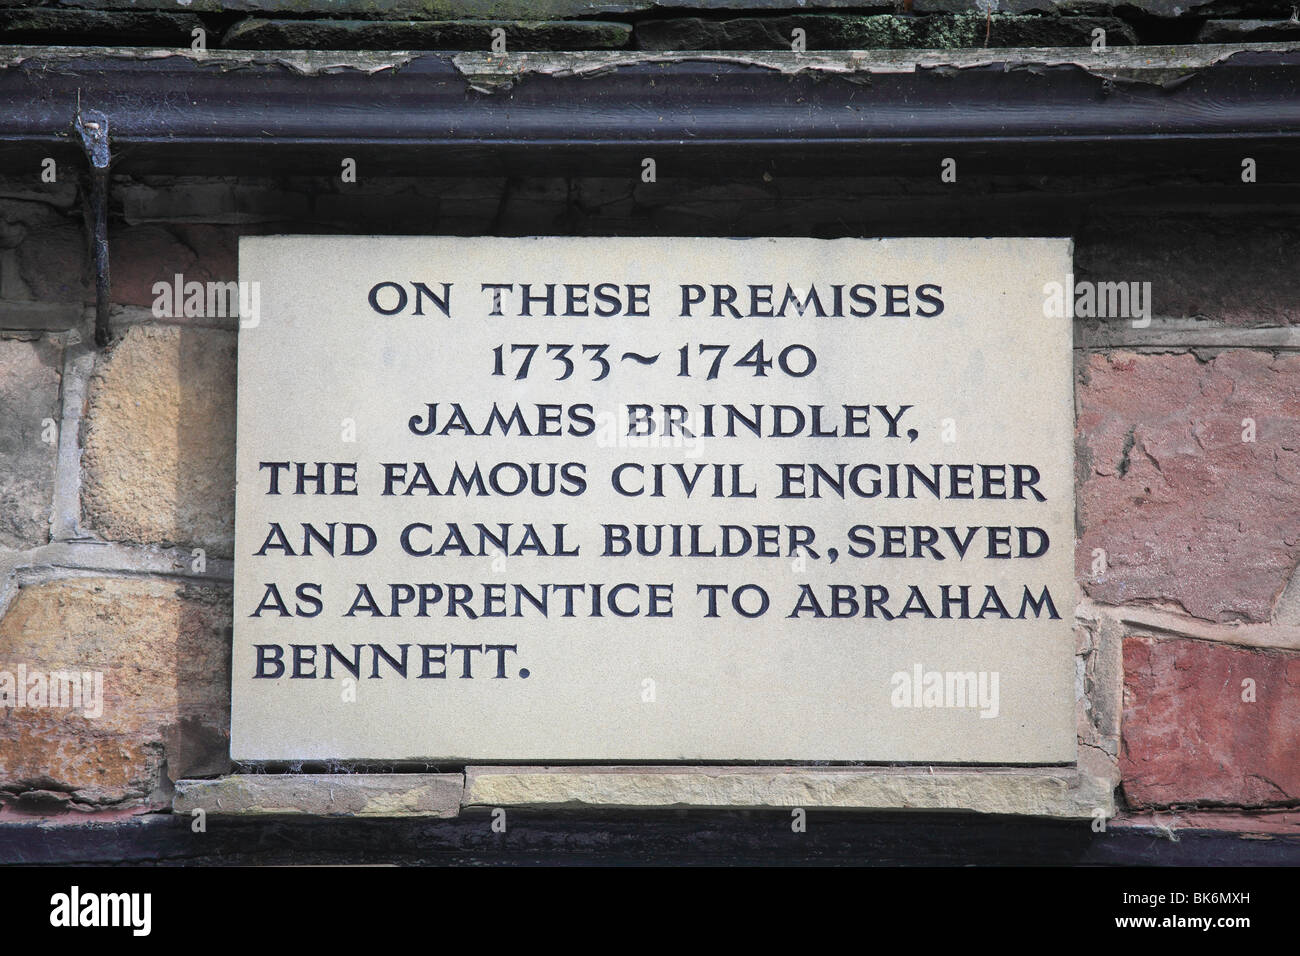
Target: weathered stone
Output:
{"points": [[145, 255], [160, 439], [163, 649], [1200, 8], [53, 266], [460, 9], [1179, 507], [27, 200], [1286, 610], [342, 207], [1053, 793], [106, 558], [1248, 31], [42, 25], [549, 9], [256, 34], [1141, 619], [1151, 8], [982, 7], [323, 200], [359, 795], [1190, 737], [197, 747], [30, 372], [1098, 694], [1219, 269], [217, 201], [1182, 335], [1249, 823], [849, 32], [39, 316]]}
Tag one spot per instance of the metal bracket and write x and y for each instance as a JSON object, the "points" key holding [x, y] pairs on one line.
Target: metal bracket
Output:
{"points": [[92, 127]]}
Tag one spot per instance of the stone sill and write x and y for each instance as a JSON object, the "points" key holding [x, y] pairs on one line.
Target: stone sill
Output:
{"points": [[1051, 792]]}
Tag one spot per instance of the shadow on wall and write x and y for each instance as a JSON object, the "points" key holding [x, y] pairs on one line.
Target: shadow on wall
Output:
{"points": [[197, 744]]}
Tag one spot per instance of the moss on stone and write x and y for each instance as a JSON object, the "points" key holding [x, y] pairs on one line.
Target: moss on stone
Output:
{"points": [[833, 31]]}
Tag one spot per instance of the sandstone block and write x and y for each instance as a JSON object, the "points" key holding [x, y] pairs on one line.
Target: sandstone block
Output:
{"points": [[361, 795], [163, 649], [160, 439], [30, 372], [1190, 736], [1187, 509], [1039, 792]]}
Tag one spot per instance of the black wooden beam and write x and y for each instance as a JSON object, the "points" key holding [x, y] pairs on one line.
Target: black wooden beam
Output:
{"points": [[1186, 110], [649, 836]]}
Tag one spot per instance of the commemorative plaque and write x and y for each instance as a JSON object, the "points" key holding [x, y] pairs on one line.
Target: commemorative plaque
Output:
{"points": [[648, 500]]}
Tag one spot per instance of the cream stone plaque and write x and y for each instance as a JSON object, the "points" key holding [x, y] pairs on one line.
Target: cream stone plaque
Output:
{"points": [[674, 499]]}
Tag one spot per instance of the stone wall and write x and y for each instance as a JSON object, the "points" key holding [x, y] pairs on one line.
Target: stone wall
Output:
{"points": [[116, 511], [645, 24]]}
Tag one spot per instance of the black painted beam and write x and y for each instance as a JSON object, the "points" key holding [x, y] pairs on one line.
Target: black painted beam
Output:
{"points": [[1184, 110], [643, 837]]}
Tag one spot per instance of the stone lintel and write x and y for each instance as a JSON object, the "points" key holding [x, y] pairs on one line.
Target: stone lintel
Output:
{"points": [[327, 795], [1039, 791], [1053, 792]]}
